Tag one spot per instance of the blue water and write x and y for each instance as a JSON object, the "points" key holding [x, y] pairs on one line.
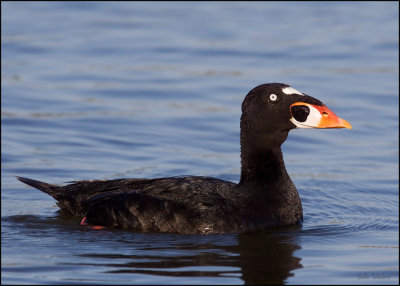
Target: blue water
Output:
{"points": [[103, 90]]}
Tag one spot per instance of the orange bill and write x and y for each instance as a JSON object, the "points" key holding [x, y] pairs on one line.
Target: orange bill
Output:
{"points": [[305, 115]]}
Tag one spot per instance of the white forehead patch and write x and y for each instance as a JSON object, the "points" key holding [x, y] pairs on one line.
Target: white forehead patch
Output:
{"points": [[291, 90]]}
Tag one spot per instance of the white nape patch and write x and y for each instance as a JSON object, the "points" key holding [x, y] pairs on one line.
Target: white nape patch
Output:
{"points": [[291, 90], [313, 119]]}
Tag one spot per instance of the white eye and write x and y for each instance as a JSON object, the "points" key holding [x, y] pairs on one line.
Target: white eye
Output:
{"points": [[273, 97]]}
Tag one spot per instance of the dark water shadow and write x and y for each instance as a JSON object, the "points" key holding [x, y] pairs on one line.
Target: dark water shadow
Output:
{"points": [[266, 258], [255, 258]]}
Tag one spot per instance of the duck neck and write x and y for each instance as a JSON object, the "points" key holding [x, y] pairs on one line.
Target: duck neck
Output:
{"points": [[262, 163]]}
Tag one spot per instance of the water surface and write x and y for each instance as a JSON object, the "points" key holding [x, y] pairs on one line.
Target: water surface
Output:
{"points": [[105, 90]]}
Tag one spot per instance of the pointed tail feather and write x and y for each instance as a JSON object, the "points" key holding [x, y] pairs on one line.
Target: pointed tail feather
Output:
{"points": [[52, 190]]}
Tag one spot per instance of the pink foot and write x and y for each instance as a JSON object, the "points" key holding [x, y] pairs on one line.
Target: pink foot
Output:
{"points": [[83, 222]]}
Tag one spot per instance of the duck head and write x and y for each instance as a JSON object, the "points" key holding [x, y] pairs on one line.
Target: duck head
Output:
{"points": [[270, 111]]}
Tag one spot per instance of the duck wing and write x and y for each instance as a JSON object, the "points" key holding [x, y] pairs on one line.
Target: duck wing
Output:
{"points": [[176, 204]]}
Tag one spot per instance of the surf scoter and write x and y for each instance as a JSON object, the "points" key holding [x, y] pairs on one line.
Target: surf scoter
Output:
{"points": [[264, 198]]}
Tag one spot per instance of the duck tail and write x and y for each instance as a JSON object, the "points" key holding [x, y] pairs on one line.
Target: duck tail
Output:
{"points": [[52, 190]]}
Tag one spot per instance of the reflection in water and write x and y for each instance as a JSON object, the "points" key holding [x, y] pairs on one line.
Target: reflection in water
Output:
{"points": [[255, 258], [267, 258]]}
